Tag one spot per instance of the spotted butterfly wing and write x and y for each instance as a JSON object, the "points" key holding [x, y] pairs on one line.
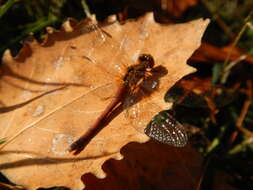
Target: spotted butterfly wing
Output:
{"points": [[165, 129]]}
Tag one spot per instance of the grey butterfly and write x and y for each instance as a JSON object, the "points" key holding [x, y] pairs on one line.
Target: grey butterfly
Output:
{"points": [[165, 129]]}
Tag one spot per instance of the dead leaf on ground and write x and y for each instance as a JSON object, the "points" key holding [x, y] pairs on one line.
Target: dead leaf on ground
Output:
{"points": [[81, 60], [150, 165], [210, 53], [194, 91], [177, 8]]}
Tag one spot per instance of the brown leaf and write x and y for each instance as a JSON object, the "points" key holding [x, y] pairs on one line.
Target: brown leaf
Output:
{"points": [[85, 62], [177, 8], [150, 165], [195, 91], [210, 53]]}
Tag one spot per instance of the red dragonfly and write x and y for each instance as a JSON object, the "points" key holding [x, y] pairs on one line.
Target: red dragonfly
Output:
{"points": [[137, 82]]}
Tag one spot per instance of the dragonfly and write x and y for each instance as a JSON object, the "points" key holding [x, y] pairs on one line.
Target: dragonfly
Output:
{"points": [[136, 82]]}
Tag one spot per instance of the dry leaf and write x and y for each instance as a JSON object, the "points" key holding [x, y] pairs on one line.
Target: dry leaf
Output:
{"points": [[52, 96], [177, 8], [212, 54], [150, 165]]}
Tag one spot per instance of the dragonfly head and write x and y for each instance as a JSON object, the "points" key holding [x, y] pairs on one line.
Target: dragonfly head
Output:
{"points": [[147, 60]]}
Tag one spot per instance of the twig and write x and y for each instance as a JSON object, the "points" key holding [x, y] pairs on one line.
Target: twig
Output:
{"points": [[86, 8], [228, 66], [200, 181], [240, 146], [250, 25], [217, 18], [245, 109], [212, 107]]}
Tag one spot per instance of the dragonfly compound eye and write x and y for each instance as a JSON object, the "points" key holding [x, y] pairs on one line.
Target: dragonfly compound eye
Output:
{"points": [[165, 129], [147, 59]]}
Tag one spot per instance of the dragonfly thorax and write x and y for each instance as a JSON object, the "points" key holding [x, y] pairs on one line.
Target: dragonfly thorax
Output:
{"points": [[137, 73]]}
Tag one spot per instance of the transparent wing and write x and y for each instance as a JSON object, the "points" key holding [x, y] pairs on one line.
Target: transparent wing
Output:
{"points": [[105, 52], [140, 105], [94, 101], [140, 114], [165, 129]]}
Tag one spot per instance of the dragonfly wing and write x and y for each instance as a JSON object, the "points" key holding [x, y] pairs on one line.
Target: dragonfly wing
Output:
{"points": [[94, 101], [139, 114], [106, 53], [165, 129]]}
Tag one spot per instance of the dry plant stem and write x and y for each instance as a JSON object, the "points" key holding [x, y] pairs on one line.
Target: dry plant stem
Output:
{"points": [[213, 109], [217, 18], [80, 144], [245, 109], [86, 8], [226, 64], [233, 63], [250, 25], [200, 181], [233, 136]]}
